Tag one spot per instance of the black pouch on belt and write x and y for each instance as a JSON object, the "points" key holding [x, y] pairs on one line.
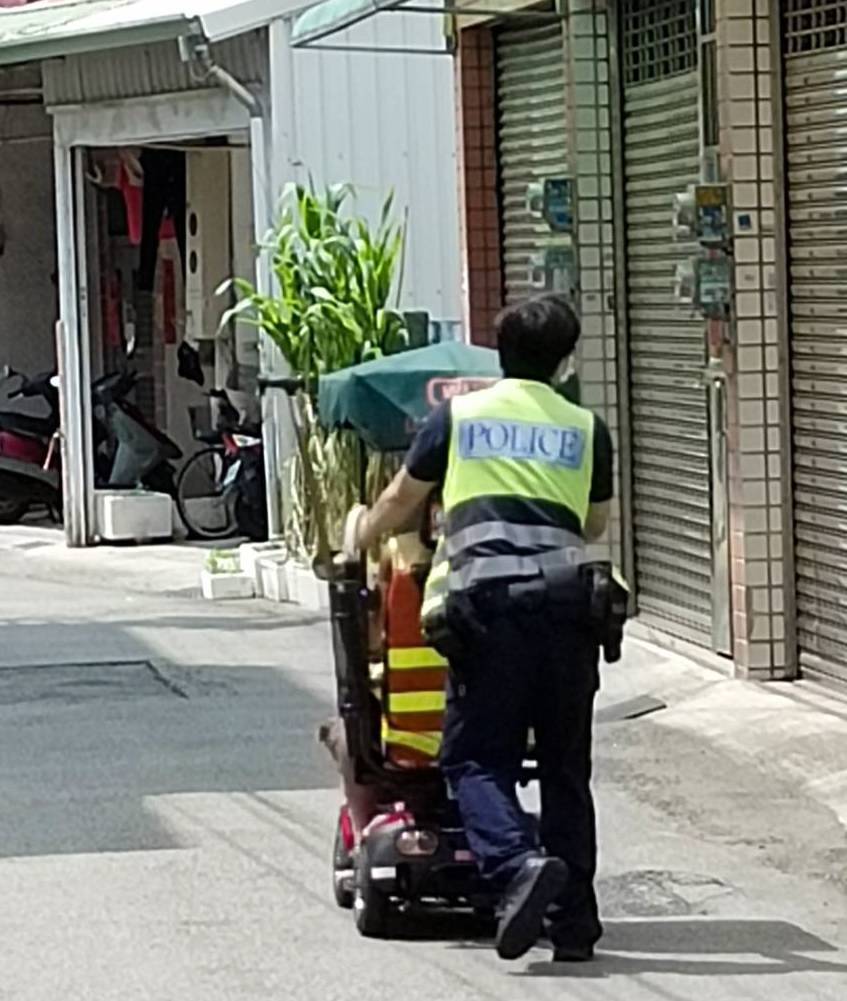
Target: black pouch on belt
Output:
{"points": [[567, 587], [453, 632]]}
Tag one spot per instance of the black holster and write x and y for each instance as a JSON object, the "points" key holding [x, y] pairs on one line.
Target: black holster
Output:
{"points": [[442, 638], [608, 605], [454, 630]]}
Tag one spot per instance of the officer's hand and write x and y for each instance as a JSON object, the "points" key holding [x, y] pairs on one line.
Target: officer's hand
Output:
{"points": [[352, 536]]}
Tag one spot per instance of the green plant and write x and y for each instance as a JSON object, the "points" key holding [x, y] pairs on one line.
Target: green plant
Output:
{"points": [[334, 277], [222, 561]]}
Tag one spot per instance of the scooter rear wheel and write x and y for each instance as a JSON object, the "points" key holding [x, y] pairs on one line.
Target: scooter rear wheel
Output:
{"points": [[12, 510], [371, 907]]}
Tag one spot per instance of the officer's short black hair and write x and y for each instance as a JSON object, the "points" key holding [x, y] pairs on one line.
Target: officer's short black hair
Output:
{"points": [[534, 337]]}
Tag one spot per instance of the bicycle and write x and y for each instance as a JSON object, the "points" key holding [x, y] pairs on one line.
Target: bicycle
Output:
{"points": [[211, 493]]}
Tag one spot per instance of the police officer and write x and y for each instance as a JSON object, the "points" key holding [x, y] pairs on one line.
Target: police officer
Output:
{"points": [[527, 480]]}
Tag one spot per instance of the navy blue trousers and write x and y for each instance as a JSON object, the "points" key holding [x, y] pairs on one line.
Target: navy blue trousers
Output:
{"points": [[531, 670]]}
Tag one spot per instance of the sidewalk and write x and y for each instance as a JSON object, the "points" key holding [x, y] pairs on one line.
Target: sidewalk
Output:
{"points": [[161, 568]]}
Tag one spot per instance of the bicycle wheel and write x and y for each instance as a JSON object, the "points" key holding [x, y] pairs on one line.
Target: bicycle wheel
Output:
{"points": [[205, 511]]}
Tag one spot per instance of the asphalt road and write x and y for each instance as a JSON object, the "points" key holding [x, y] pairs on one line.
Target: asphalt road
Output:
{"points": [[166, 818]]}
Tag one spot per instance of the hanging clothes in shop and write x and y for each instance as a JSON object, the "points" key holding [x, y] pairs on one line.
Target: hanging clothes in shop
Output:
{"points": [[164, 194], [122, 169], [131, 185]]}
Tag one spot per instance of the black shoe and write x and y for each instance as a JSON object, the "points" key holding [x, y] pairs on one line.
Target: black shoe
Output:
{"points": [[538, 883], [573, 953]]}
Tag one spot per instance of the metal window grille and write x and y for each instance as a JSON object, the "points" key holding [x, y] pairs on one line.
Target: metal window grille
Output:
{"points": [[708, 17], [660, 39], [814, 25], [710, 105]]}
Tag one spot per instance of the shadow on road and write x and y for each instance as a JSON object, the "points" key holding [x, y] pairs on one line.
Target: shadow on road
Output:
{"points": [[85, 750], [699, 947]]}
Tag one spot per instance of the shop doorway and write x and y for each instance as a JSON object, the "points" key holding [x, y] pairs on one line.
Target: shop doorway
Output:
{"points": [[163, 227]]}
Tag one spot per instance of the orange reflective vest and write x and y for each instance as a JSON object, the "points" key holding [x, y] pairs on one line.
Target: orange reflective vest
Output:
{"points": [[415, 676]]}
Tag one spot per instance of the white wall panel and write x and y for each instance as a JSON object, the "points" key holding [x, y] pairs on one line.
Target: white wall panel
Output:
{"points": [[387, 121]]}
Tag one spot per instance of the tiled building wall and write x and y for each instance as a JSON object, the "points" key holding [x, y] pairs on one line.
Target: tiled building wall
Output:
{"points": [[590, 140], [478, 182], [758, 411]]}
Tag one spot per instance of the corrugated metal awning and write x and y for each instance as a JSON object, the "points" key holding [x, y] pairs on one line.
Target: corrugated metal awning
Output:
{"points": [[54, 28], [333, 17]]}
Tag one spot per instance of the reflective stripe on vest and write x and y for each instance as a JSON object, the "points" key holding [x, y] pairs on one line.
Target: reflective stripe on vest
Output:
{"points": [[415, 658], [435, 589], [484, 569], [521, 451], [538, 536], [416, 702], [411, 750], [415, 674]]}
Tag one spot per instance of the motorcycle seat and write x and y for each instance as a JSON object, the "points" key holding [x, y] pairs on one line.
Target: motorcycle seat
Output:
{"points": [[39, 427]]}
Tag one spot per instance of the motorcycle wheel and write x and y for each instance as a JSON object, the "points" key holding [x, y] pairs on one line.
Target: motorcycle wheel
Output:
{"points": [[202, 478], [12, 510]]}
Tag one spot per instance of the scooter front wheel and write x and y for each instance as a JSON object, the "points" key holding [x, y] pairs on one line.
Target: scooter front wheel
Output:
{"points": [[201, 500], [371, 907], [342, 872]]}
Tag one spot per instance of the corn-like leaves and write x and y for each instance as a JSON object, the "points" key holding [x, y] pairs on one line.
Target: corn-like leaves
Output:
{"points": [[334, 275]]}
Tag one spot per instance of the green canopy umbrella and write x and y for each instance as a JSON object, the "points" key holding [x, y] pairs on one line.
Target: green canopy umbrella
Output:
{"points": [[385, 401]]}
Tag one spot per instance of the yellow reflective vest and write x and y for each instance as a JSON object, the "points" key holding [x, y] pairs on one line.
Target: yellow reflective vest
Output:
{"points": [[518, 484]]}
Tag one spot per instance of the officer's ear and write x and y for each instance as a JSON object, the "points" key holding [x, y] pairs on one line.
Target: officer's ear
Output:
{"points": [[564, 372]]}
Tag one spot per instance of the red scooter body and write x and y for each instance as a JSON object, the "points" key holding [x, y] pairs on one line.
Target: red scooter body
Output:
{"points": [[24, 448]]}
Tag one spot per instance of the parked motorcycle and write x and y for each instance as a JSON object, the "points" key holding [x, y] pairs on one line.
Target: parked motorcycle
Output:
{"points": [[28, 445], [132, 452], [128, 450]]}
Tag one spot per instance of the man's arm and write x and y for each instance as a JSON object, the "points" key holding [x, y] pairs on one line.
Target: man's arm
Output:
{"points": [[394, 507], [596, 521], [425, 466], [602, 483]]}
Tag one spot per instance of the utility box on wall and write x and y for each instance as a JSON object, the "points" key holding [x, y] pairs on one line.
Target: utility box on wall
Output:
{"points": [[207, 264], [207, 236]]}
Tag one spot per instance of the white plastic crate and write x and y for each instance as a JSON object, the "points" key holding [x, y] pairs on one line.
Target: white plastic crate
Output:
{"points": [[133, 516]]}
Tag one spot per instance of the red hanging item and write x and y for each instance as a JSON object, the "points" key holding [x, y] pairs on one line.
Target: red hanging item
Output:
{"points": [[169, 293], [131, 186]]}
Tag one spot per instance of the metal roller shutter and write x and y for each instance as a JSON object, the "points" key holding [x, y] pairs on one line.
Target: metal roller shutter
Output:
{"points": [[816, 106], [531, 139], [670, 438]]}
